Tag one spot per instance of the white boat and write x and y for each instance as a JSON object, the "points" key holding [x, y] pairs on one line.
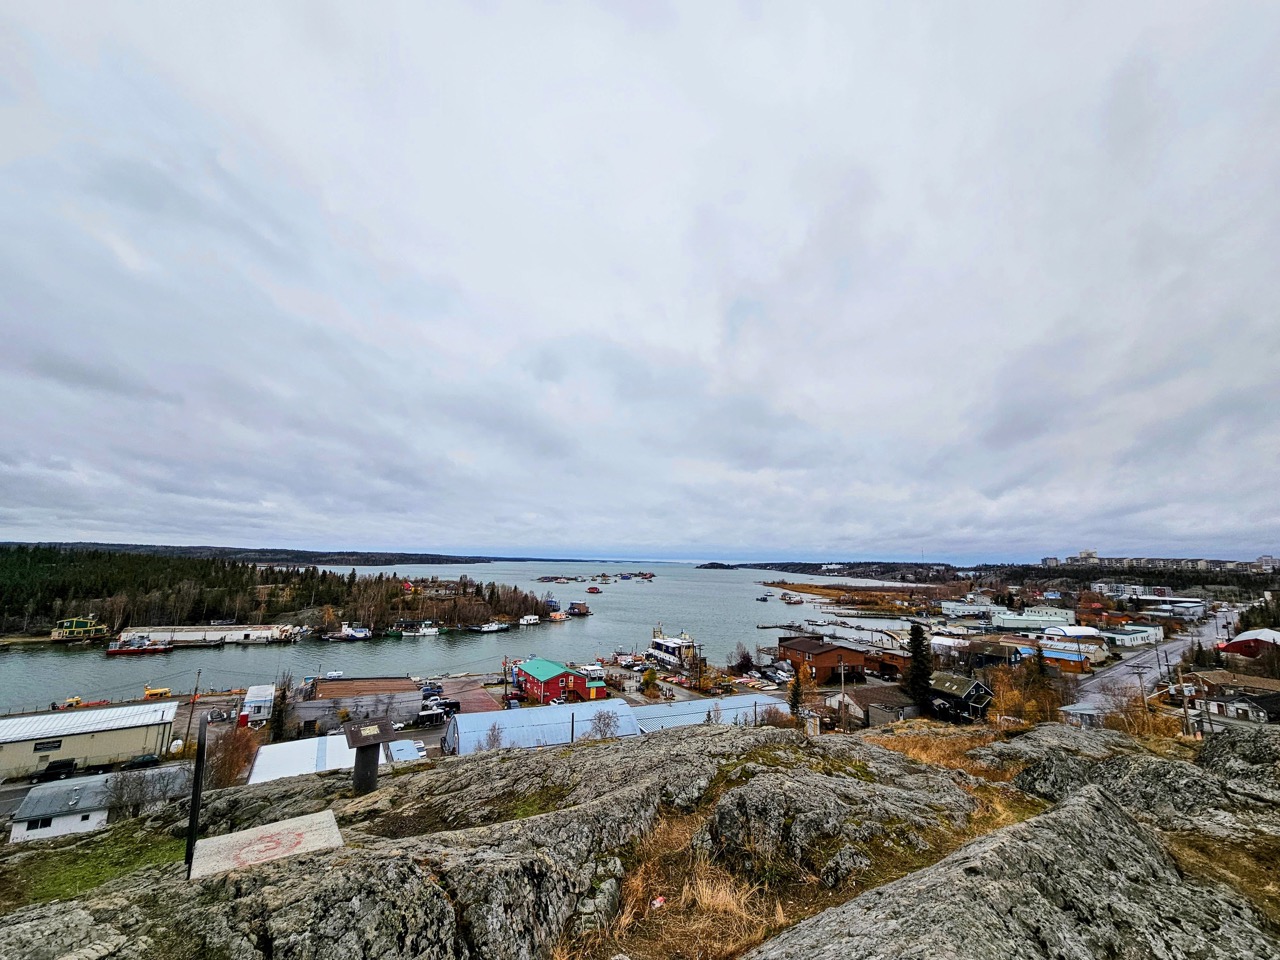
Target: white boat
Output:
{"points": [[673, 651], [352, 631], [490, 627], [421, 630], [529, 619]]}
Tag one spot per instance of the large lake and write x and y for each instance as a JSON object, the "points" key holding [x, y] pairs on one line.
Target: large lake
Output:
{"points": [[717, 607]]}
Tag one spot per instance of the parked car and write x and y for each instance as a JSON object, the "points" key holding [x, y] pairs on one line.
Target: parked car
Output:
{"points": [[56, 770], [558, 702], [139, 763]]}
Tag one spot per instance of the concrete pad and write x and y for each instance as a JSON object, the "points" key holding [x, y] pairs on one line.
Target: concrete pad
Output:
{"points": [[275, 841]]}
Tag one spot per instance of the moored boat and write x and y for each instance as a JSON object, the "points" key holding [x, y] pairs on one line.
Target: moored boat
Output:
{"points": [[492, 626], [130, 645], [594, 590], [557, 616], [350, 631], [579, 609], [529, 619], [673, 651]]}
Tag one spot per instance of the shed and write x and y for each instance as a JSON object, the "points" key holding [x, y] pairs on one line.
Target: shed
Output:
{"points": [[535, 727]]}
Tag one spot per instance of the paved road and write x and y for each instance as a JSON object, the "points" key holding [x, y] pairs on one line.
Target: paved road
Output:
{"points": [[11, 797], [1149, 667]]}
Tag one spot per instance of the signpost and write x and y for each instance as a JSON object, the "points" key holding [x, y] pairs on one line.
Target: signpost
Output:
{"points": [[366, 738]]}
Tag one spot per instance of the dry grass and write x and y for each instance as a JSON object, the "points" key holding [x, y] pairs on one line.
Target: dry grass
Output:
{"points": [[945, 746], [1247, 865], [708, 913]]}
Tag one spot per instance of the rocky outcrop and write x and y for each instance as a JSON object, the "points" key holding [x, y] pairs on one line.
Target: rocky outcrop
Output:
{"points": [[499, 856], [1083, 881], [817, 813], [450, 858]]}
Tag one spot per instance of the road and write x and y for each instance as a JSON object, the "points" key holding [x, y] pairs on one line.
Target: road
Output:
{"points": [[1149, 667]]}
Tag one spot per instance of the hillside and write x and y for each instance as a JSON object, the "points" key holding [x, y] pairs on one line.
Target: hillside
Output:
{"points": [[917, 842]]}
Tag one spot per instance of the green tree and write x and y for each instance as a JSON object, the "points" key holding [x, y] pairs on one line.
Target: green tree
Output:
{"points": [[796, 698], [917, 681]]}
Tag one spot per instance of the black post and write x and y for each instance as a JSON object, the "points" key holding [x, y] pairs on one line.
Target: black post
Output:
{"points": [[364, 778], [197, 784]]}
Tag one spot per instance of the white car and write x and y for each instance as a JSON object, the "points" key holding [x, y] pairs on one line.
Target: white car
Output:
{"points": [[558, 702]]}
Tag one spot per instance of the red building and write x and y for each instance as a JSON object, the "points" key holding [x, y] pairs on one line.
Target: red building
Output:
{"points": [[545, 680]]}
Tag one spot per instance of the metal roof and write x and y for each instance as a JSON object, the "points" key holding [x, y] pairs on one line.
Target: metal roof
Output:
{"points": [[542, 669], [536, 726], [952, 683], [1053, 654], [79, 794], [687, 713], [66, 723], [260, 693]]}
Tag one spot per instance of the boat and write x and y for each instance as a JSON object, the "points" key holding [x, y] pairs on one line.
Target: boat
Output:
{"points": [[791, 599], [132, 645], [350, 631], [763, 599], [80, 629], [529, 619], [557, 616], [491, 627], [594, 590], [579, 609], [673, 651], [415, 628]]}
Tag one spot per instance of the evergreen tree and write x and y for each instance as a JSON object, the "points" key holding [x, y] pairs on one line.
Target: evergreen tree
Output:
{"points": [[795, 699], [918, 679]]}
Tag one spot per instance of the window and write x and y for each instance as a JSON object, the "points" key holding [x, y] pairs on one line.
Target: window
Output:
{"points": [[40, 824], [562, 681], [84, 817]]}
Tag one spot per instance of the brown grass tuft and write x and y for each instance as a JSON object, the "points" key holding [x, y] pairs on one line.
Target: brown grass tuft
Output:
{"points": [[945, 746]]}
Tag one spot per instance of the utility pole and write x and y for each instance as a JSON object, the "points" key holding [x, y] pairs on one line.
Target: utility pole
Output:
{"points": [[843, 726], [191, 711], [1182, 693]]}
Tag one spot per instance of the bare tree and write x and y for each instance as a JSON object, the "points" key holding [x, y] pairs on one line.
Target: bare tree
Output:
{"points": [[493, 738], [604, 725]]}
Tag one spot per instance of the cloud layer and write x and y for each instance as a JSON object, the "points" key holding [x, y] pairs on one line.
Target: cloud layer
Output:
{"points": [[756, 280]]}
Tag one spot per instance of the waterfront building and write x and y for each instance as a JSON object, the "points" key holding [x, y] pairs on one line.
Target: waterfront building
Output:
{"points": [[89, 737]]}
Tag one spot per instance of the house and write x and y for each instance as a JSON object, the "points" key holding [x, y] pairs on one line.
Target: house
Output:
{"points": [[1026, 621], [1067, 661], [1086, 715], [872, 706], [84, 804], [1240, 707], [542, 681], [80, 628], [258, 702], [91, 737], [957, 697]]}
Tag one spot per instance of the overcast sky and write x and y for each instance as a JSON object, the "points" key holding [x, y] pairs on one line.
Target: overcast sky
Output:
{"points": [[759, 280]]}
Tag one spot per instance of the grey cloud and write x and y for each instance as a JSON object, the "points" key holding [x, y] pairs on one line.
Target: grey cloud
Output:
{"points": [[637, 278]]}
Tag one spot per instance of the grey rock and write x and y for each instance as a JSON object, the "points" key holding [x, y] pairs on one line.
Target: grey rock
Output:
{"points": [[1082, 881]]}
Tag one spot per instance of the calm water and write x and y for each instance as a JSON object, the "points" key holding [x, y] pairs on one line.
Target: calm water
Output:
{"points": [[717, 607]]}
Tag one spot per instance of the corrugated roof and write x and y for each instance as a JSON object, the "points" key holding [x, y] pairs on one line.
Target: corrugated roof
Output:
{"points": [[95, 793], [542, 669], [536, 726], [66, 723], [744, 708], [295, 758]]}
